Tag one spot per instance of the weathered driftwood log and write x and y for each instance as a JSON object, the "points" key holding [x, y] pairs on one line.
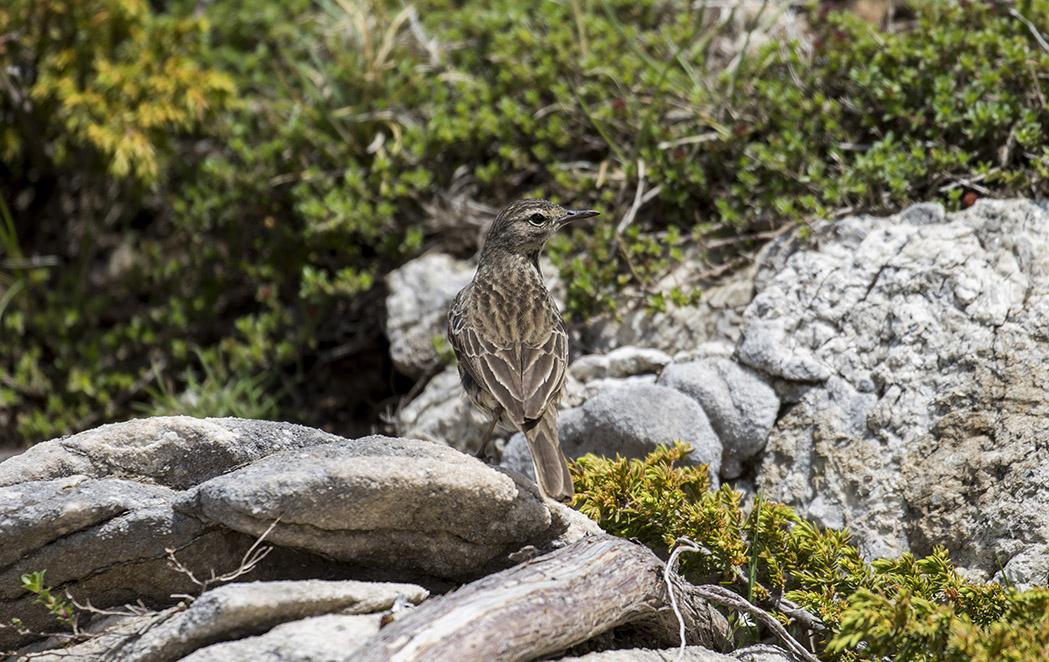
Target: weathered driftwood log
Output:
{"points": [[548, 604]]}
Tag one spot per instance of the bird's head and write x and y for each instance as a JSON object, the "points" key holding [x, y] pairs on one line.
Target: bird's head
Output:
{"points": [[525, 225]]}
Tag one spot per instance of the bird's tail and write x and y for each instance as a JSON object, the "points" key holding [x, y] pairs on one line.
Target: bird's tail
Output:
{"points": [[551, 467]]}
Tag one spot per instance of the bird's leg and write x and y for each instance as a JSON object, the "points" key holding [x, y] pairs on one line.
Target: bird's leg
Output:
{"points": [[491, 428]]}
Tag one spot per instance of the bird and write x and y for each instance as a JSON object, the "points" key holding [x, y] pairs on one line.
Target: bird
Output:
{"points": [[510, 340]]}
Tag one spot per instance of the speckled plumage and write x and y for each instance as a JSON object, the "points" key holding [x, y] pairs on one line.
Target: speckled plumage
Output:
{"points": [[509, 337]]}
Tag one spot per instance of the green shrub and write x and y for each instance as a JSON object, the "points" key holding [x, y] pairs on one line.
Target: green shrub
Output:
{"points": [[223, 391], [94, 97], [101, 85], [902, 609], [161, 207]]}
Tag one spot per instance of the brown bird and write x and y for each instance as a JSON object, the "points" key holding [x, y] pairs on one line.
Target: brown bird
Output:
{"points": [[510, 339]]}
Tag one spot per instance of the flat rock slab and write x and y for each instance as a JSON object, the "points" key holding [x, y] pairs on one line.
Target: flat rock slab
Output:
{"points": [[175, 451], [121, 559], [37, 513], [255, 607], [232, 612], [331, 638], [382, 501], [762, 653]]}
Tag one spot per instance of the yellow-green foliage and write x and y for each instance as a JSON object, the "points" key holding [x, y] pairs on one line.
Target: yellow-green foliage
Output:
{"points": [[960, 623], [657, 500], [904, 609], [104, 74]]}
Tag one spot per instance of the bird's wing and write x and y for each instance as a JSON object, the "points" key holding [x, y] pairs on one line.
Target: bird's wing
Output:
{"points": [[542, 372], [524, 379]]}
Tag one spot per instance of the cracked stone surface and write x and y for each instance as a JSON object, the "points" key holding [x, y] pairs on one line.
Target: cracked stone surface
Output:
{"points": [[66, 505], [913, 349]]}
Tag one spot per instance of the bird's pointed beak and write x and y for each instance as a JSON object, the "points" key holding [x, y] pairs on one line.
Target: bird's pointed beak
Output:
{"points": [[576, 214]]}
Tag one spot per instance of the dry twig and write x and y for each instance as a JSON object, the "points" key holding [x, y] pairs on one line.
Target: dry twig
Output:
{"points": [[251, 558]]}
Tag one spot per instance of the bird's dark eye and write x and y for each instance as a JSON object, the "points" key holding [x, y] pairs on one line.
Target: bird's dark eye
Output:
{"points": [[537, 219]]}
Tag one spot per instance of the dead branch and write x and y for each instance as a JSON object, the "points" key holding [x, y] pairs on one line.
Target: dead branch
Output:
{"points": [[251, 558], [720, 595], [549, 604]]}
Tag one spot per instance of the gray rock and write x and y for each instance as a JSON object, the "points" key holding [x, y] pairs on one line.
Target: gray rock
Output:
{"points": [[176, 451], [137, 538], [717, 316], [255, 607], [37, 513], [622, 362], [920, 343], [381, 501], [119, 560], [707, 350], [443, 414], [760, 653], [386, 505], [630, 421], [231, 611], [596, 387], [740, 405], [767, 347], [106, 540], [417, 306], [331, 638], [579, 525]]}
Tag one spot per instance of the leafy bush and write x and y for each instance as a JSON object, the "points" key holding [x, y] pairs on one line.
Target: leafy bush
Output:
{"points": [[238, 177], [902, 609], [93, 96], [101, 85]]}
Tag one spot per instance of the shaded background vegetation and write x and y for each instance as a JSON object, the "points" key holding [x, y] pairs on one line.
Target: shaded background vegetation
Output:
{"points": [[199, 201]]}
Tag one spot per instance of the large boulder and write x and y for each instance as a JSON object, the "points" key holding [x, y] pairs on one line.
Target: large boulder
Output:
{"points": [[911, 350]]}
